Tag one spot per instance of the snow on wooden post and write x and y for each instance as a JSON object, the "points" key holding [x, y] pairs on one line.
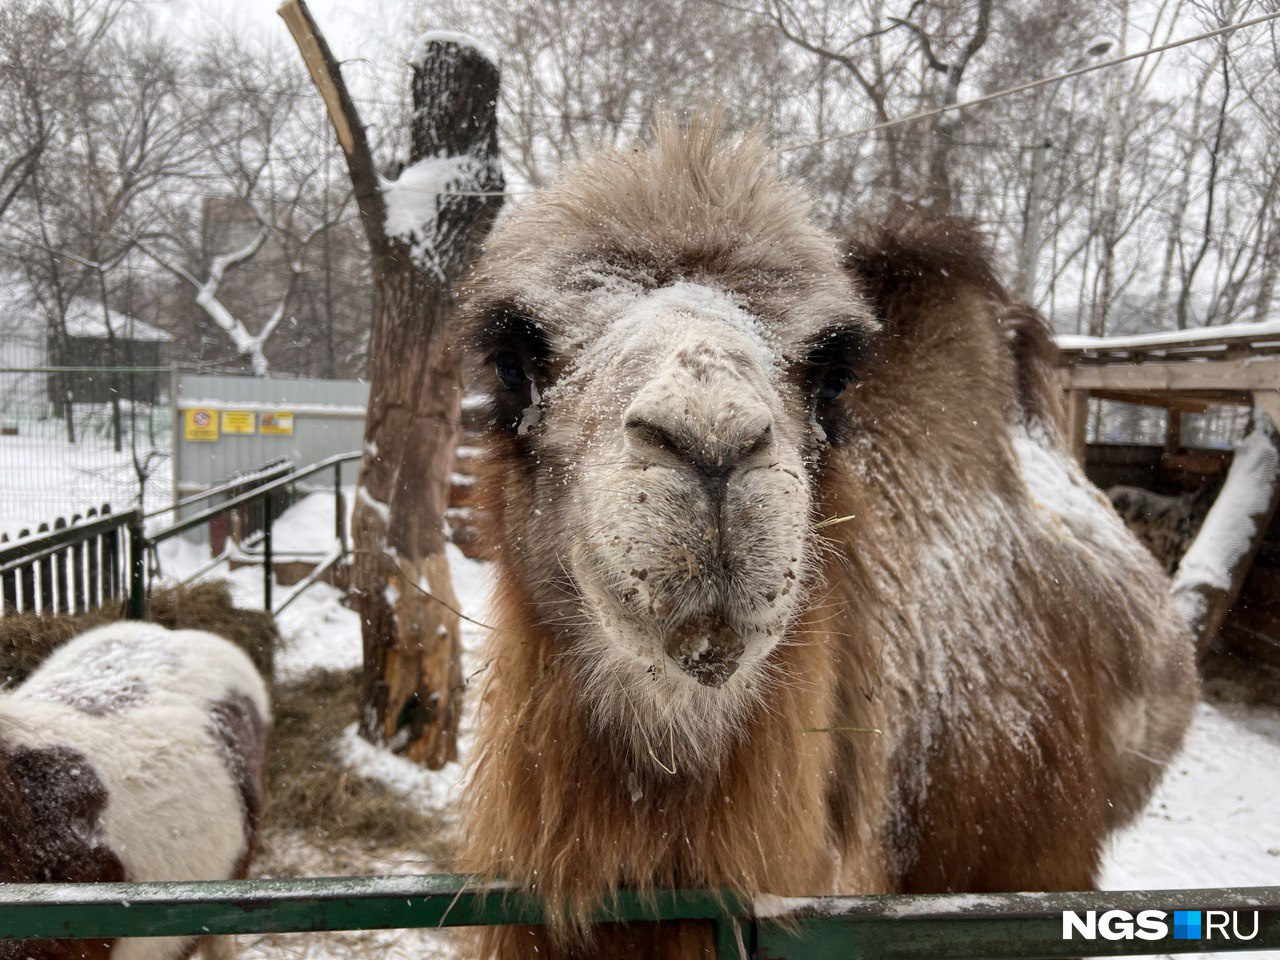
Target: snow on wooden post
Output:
{"points": [[1213, 570], [423, 229]]}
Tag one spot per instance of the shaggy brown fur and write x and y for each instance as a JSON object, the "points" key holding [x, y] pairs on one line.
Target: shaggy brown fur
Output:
{"points": [[985, 679], [60, 822]]}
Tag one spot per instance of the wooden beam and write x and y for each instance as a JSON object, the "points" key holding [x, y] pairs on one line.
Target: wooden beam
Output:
{"points": [[1173, 431], [1202, 462], [326, 74], [1232, 375], [303, 29]]}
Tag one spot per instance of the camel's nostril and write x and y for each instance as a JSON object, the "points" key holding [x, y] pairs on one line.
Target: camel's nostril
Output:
{"points": [[653, 436], [710, 672]]}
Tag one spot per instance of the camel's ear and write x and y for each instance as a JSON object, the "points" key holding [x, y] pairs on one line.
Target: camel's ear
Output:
{"points": [[511, 352], [1035, 356]]}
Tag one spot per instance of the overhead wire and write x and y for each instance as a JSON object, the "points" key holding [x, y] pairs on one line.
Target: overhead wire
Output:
{"points": [[1031, 84]]}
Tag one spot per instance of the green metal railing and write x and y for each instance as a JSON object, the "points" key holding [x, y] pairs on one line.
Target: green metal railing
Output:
{"points": [[262, 495], [1005, 926]]}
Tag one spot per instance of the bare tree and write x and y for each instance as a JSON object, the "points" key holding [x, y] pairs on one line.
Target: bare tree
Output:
{"points": [[265, 155], [422, 230]]}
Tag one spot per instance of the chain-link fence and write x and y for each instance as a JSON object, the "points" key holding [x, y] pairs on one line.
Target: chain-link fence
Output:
{"points": [[75, 437]]}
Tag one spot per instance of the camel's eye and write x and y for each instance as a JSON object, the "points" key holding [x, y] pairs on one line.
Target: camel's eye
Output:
{"points": [[841, 357], [510, 369], [833, 385], [836, 360], [515, 349]]}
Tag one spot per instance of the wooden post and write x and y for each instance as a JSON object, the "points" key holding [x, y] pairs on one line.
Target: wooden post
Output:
{"points": [[137, 568], [1078, 422], [1269, 402], [412, 678], [1172, 430]]}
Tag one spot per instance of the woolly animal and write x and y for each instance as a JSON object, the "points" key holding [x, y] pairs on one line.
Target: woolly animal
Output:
{"points": [[799, 590], [133, 753]]}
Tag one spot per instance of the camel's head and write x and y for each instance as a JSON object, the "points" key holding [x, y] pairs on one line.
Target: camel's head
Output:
{"points": [[667, 343]]}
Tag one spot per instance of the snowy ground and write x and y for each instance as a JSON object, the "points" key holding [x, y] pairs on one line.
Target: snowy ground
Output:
{"points": [[1215, 821], [43, 477]]}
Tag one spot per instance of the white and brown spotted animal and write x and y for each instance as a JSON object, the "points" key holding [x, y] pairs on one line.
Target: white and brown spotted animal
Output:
{"points": [[1165, 525], [799, 590], [134, 753]]}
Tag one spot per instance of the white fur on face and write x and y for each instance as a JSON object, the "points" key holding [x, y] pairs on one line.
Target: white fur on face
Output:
{"points": [[692, 506]]}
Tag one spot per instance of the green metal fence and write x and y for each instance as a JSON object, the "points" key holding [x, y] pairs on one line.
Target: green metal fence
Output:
{"points": [[958, 927]]}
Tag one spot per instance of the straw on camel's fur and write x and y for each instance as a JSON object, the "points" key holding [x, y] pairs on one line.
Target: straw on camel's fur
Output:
{"points": [[983, 683]]}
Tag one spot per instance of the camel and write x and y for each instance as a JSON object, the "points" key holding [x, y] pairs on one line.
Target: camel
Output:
{"points": [[798, 590]]}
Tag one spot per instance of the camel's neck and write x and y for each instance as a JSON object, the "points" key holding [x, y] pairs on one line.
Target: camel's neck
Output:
{"points": [[559, 801]]}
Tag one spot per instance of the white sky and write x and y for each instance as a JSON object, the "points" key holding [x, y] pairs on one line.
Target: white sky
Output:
{"points": [[355, 29]]}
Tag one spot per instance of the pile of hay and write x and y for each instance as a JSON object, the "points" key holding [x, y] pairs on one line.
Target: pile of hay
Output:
{"points": [[26, 639], [312, 790]]}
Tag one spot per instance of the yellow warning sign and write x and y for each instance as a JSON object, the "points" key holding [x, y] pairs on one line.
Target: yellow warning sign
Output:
{"points": [[239, 421], [200, 424], [277, 423]]}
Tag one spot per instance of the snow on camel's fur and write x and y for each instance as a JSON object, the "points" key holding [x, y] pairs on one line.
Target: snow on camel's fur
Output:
{"points": [[134, 753], [798, 590]]}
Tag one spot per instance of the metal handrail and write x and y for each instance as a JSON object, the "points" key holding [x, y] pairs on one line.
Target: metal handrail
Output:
{"points": [[204, 516], [323, 566], [263, 493], [248, 477], [1003, 926]]}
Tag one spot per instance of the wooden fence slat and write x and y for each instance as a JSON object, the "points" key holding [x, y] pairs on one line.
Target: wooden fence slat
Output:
{"points": [[60, 560], [26, 580], [8, 586], [110, 562], [46, 577], [76, 553]]}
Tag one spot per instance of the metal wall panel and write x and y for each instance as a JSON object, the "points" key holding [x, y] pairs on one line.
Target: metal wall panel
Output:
{"points": [[328, 418]]}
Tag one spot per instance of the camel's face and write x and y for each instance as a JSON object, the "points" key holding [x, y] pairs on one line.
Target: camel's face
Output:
{"points": [[667, 433]]}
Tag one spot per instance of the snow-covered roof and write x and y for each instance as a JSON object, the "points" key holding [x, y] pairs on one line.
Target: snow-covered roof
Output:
{"points": [[22, 319], [452, 36], [1173, 338], [85, 319]]}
